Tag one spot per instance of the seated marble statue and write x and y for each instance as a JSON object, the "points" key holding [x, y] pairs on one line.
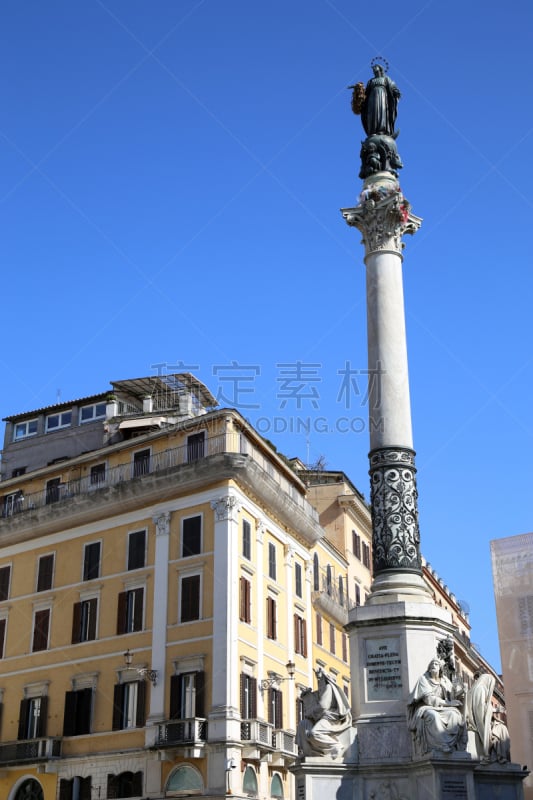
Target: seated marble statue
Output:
{"points": [[433, 713], [500, 745], [326, 728]]}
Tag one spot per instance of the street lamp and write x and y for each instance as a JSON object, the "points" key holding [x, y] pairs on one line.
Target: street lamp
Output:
{"points": [[274, 679], [144, 672]]}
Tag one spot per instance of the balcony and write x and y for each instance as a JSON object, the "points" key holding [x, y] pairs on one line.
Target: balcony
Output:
{"points": [[30, 751], [224, 456], [258, 738], [186, 732], [284, 743], [330, 600]]}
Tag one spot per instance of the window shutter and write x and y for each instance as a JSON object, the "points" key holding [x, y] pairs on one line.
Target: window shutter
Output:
{"points": [[23, 718], [318, 629], [141, 705], [43, 717], [242, 613], [137, 784], [304, 639], [175, 696], [121, 613], [278, 700], [112, 786], [138, 610], [118, 701], [296, 634], [83, 711], [69, 718], [253, 697], [65, 789], [93, 603], [76, 623], [199, 681], [85, 788], [45, 574], [2, 636], [270, 714], [243, 695], [5, 573]]}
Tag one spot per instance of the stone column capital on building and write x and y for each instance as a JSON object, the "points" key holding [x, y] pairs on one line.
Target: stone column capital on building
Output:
{"points": [[162, 523], [226, 507]]}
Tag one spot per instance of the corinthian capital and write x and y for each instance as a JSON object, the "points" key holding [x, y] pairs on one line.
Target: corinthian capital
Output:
{"points": [[225, 507], [383, 215]]}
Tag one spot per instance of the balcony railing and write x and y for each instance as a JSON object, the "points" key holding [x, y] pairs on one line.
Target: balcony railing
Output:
{"points": [[30, 750], [20, 502], [257, 732], [183, 732], [284, 742]]}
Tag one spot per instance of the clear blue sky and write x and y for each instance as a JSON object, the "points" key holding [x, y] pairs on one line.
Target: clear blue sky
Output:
{"points": [[171, 175]]}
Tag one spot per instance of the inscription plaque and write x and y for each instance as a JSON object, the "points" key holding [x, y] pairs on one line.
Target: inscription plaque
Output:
{"points": [[453, 787], [383, 669]]}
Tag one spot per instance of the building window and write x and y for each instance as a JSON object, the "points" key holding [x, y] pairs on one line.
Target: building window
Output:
{"points": [[84, 621], [249, 782], [18, 471], [272, 561], [191, 536], [136, 550], [246, 539], [5, 579], [77, 717], [76, 788], [3, 626], [316, 574], [300, 636], [92, 412], [32, 717], [332, 638], [53, 489], [356, 545], [271, 618], [190, 598], [45, 573], [130, 611], [357, 595], [245, 594], [97, 475], [276, 787], [56, 421], [328, 580], [298, 579], [275, 708], [341, 591], [141, 463], [129, 700], [127, 784], [30, 790], [187, 695], [195, 446], [344, 648], [24, 429], [185, 780], [91, 561], [41, 628], [13, 503], [366, 555], [319, 629], [248, 697]]}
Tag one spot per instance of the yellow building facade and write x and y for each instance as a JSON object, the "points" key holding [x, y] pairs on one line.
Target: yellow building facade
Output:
{"points": [[158, 600]]}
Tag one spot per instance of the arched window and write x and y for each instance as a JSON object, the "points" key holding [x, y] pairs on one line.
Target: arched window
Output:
{"points": [[249, 781], [316, 574], [29, 789], [185, 779], [341, 591], [328, 579], [276, 786]]}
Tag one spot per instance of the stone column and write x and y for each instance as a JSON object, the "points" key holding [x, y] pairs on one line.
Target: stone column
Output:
{"points": [[383, 217]]}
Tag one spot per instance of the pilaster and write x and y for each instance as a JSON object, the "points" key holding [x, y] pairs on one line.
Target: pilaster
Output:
{"points": [[159, 617]]}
